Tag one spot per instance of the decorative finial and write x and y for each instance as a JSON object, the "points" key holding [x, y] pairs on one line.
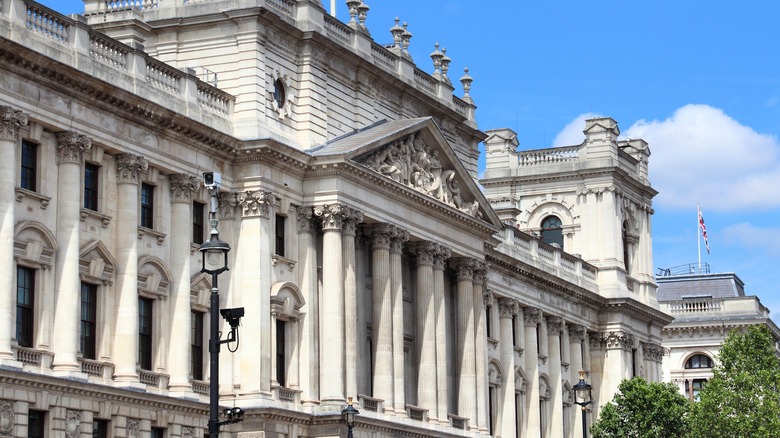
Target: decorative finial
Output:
{"points": [[445, 65], [353, 9], [405, 38], [397, 31], [466, 81], [362, 10], [436, 56]]}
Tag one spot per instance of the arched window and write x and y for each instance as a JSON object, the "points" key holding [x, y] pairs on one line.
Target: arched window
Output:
{"points": [[552, 231], [280, 97], [698, 361], [625, 247]]}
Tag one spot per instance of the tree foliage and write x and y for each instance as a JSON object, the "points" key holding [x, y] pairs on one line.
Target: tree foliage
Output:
{"points": [[743, 397], [644, 410]]}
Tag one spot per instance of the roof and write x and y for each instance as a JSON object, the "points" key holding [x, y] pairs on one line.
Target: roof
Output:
{"points": [[678, 287]]}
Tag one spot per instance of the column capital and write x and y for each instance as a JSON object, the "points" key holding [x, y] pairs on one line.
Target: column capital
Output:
{"points": [[612, 340], [554, 325], [654, 352], [424, 252], [480, 271], [488, 297], [464, 268], [333, 215], [351, 221], [441, 257], [381, 235], [226, 207], [507, 307], [70, 146], [398, 240], [182, 187], [532, 316], [10, 122], [256, 203], [129, 166], [576, 333], [303, 217]]}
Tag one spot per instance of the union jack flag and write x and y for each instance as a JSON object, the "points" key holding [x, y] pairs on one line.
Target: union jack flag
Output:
{"points": [[703, 231]]}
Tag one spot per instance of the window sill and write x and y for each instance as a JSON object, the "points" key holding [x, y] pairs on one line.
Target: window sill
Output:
{"points": [[84, 213], [143, 231], [277, 258], [24, 193]]}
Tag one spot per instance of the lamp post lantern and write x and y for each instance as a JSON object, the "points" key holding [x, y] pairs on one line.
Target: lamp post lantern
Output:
{"points": [[583, 397], [349, 416]]}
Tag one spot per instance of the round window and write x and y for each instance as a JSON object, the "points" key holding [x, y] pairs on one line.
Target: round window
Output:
{"points": [[279, 95]]}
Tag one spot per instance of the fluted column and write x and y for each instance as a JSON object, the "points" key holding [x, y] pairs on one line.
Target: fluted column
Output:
{"points": [[576, 337], [128, 168], [554, 331], [253, 277], [480, 346], [442, 360], [307, 272], [350, 300], [531, 319], [507, 308], [332, 385], [466, 360], [382, 323], [396, 286], [425, 333], [182, 187], [10, 122]]}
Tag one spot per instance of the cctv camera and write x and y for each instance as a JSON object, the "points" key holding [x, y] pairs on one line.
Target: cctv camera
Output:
{"points": [[212, 180], [233, 316]]}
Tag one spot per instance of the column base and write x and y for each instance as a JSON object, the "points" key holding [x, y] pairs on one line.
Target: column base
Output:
{"points": [[11, 362], [128, 384], [333, 401], [69, 373]]}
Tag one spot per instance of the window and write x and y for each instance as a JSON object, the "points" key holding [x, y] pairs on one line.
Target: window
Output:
{"points": [[519, 406], [88, 320], [488, 328], [29, 166], [491, 409], [698, 361], [198, 211], [157, 432], [36, 424], [280, 220], [625, 247], [552, 231], [692, 388], [514, 330], [196, 348], [91, 172], [100, 429], [145, 333], [280, 362], [280, 97], [147, 205], [25, 306]]}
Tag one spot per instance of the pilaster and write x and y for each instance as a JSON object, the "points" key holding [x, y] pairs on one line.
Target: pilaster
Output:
{"points": [[309, 355]]}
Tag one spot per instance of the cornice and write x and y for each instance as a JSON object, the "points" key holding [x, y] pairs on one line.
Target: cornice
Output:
{"points": [[635, 308]]}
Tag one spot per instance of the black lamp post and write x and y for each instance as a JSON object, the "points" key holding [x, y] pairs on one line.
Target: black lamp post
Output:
{"points": [[349, 416], [583, 397]]}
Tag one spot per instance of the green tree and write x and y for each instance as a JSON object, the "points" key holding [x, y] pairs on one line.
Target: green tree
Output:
{"points": [[644, 410], [741, 399]]}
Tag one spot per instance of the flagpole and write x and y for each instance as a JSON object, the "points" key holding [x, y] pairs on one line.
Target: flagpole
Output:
{"points": [[698, 233]]}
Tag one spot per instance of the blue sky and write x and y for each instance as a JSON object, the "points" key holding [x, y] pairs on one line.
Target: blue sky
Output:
{"points": [[700, 81]]}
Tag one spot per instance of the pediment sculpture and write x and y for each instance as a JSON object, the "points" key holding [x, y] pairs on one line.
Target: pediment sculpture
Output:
{"points": [[410, 161]]}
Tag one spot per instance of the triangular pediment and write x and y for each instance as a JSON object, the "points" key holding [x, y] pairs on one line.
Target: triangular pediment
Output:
{"points": [[414, 153]]}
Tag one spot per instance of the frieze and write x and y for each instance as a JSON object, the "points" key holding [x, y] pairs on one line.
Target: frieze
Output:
{"points": [[10, 122], [70, 146], [182, 187], [410, 161]]}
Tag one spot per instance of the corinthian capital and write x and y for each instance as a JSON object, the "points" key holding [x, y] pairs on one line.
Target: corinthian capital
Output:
{"points": [[554, 325], [351, 221], [398, 240], [303, 215], [441, 257], [182, 187], [256, 203], [333, 216], [464, 268], [507, 307], [10, 122], [381, 234], [424, 252], [532, 316], [129, 166], [70, 146], [576, 333]]}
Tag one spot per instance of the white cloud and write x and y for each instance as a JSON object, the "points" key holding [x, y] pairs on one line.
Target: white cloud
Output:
{"points": [[700, 154], [750, 236], [572, 134]]}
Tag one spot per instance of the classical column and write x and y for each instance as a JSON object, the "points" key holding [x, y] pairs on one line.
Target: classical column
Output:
{"points": [[396, 286], [466, 360], [507, 308], [307, 278], [531, 319], [70, 146], [332, 385], [382, 323], [653, 357], [128, 168], [425, 333], [554, 331], [350, 300], [480, 346], [182, 187], [253, 277], [442, 360], [10, 122], [576, 337]]}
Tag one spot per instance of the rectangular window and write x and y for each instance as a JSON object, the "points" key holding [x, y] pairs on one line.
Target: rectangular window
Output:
{"points": [[36, 424], [280, 363], [100, 429], [91, 172], [29, 167], [196, 346], [280, 220], [158, 432], [147, 205], [145, 332], [488, 326], [25, 306], [198, 214], [88, 320], [514, 330]]}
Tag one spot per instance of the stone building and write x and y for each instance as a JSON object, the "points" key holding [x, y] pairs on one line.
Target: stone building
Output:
{"points": [[706, 307], [368, 260]]}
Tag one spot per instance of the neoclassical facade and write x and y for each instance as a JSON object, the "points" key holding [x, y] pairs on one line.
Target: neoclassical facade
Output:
{"points": [[368, 258]]}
